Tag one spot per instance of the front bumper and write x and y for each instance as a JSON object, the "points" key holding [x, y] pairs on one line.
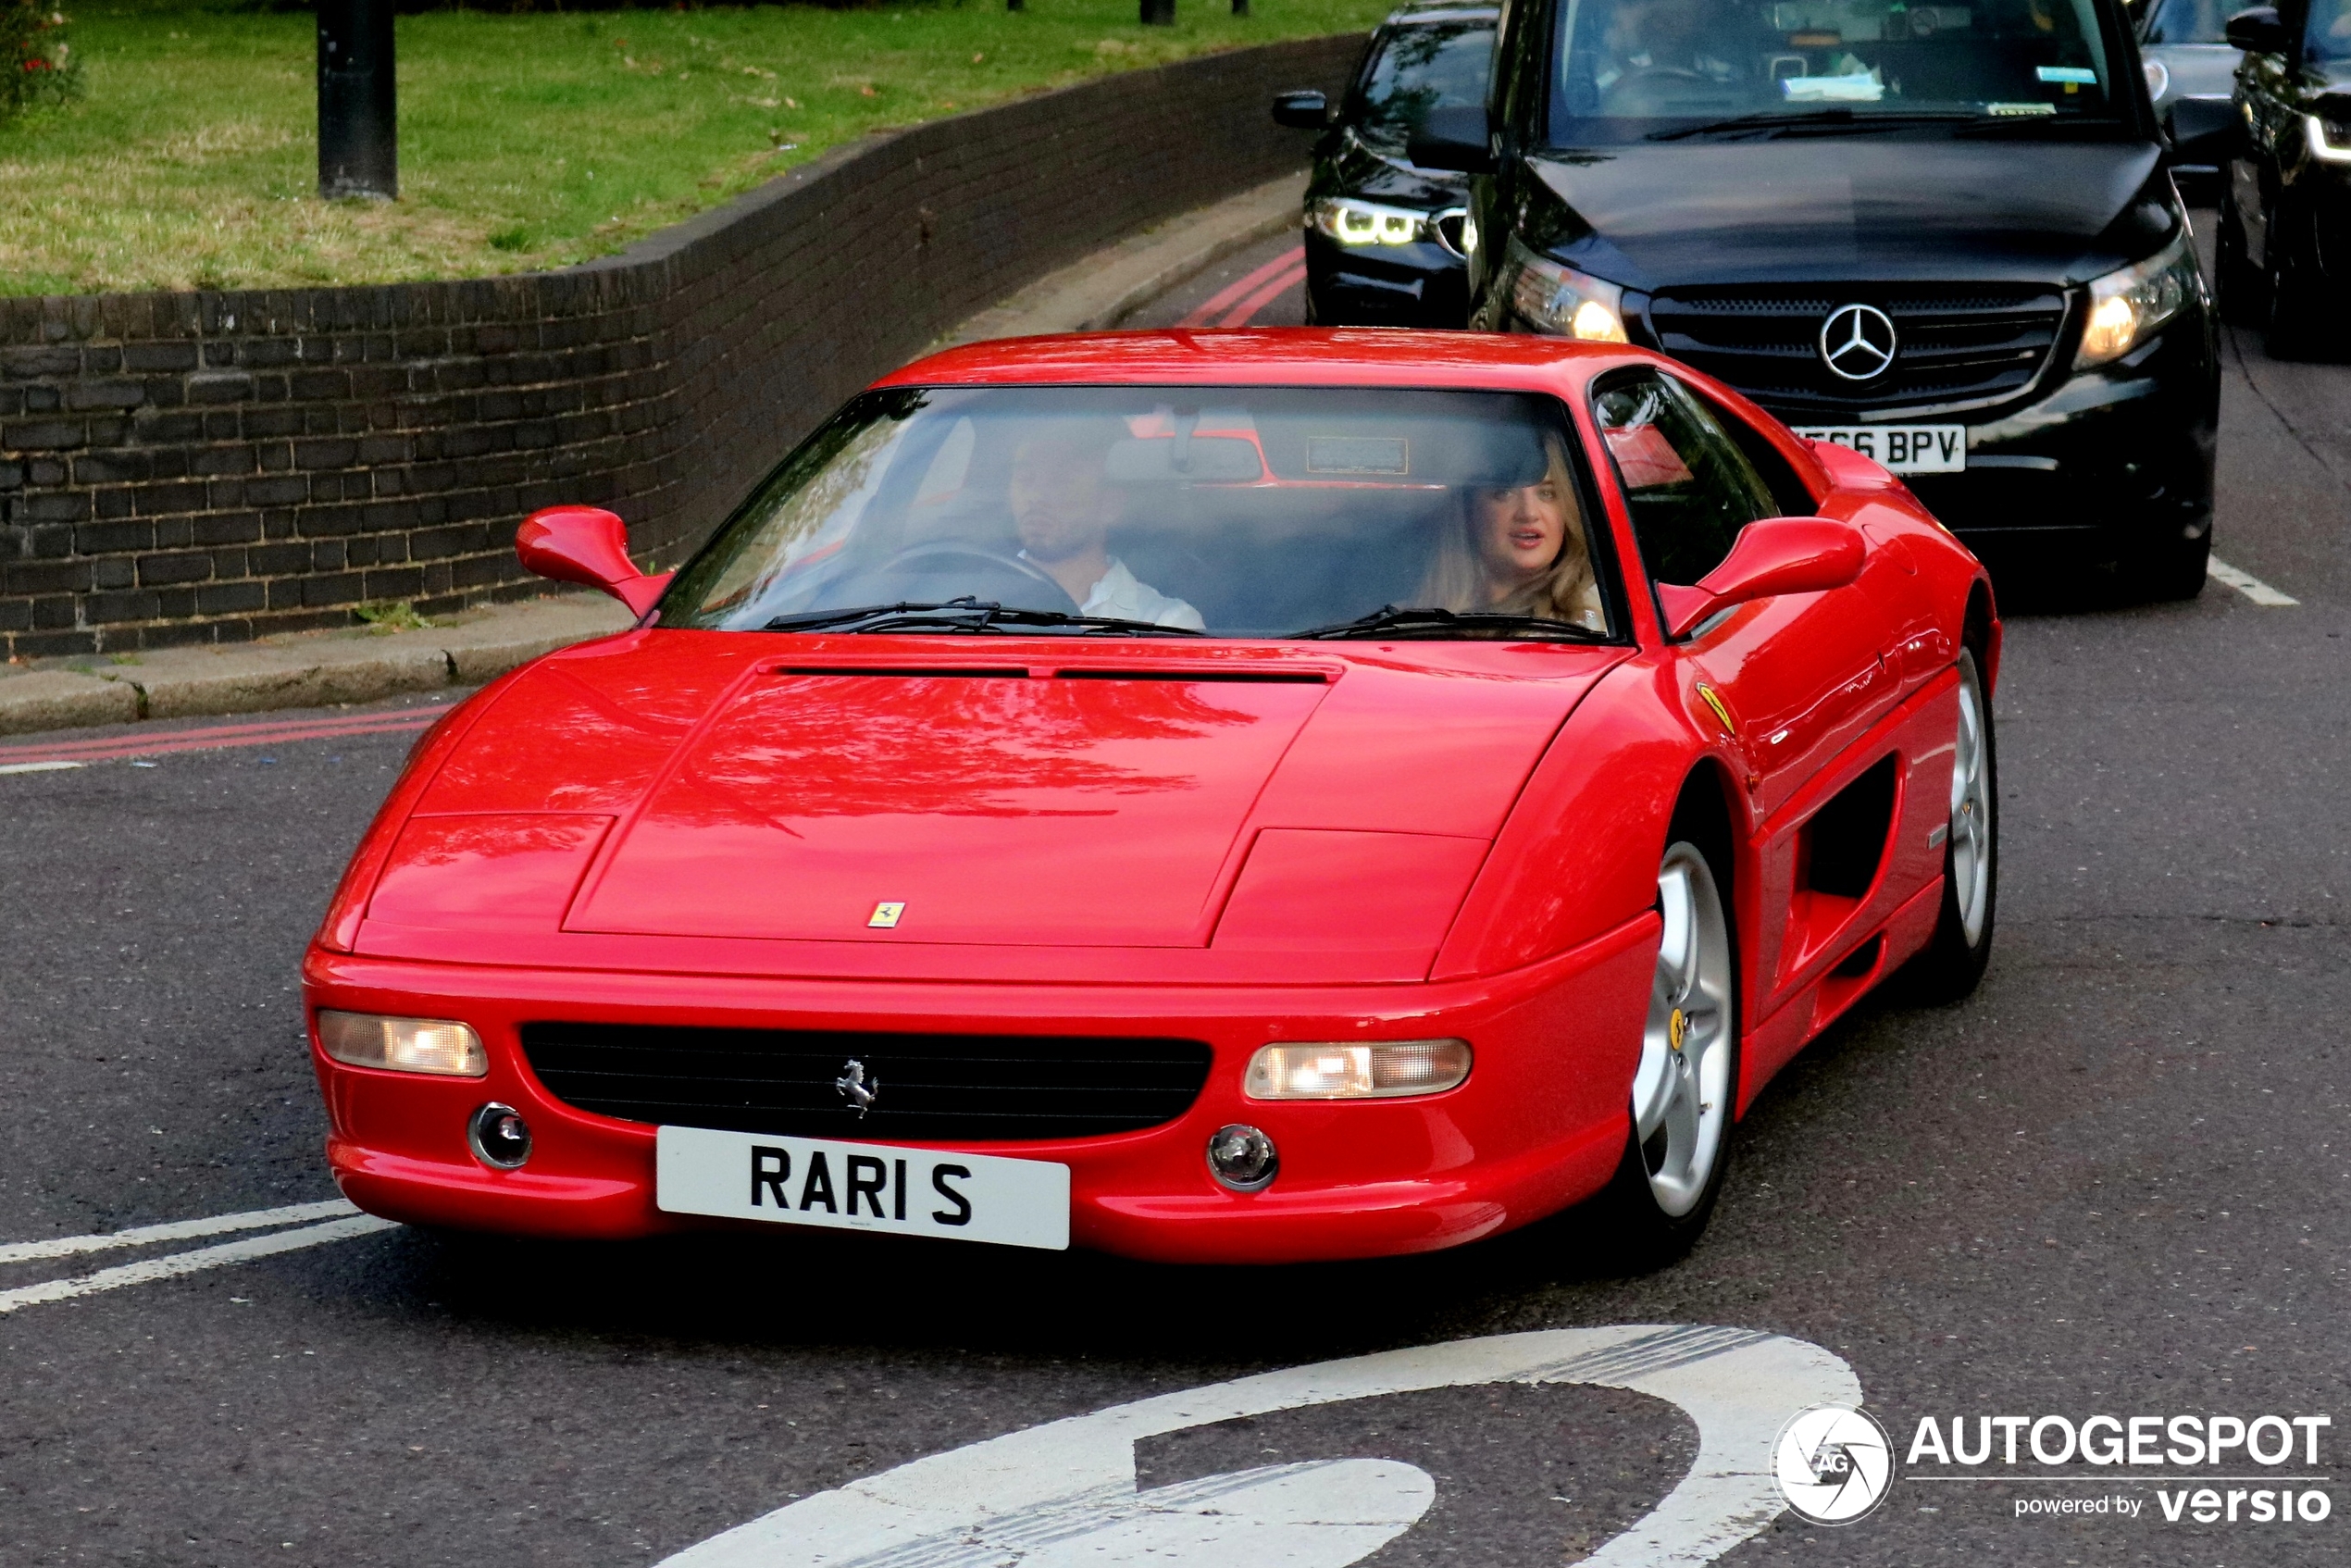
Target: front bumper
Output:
{"points": [[1539, 1125], [1421, 284], [2109, 461]]}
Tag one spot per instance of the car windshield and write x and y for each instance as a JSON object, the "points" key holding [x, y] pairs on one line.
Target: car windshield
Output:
{"points": [[1141, 511], [2328, 35], [1417, 68], [1648, 70], [2189, 21]]}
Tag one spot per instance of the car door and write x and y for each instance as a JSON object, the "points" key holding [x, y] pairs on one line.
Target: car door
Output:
{"points": [[2266, 101], [1794, 678], [1794, 682]]}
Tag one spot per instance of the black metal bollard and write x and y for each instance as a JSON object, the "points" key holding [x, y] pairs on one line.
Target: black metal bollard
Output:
{"points": [[1158, 13], [358, 137]]}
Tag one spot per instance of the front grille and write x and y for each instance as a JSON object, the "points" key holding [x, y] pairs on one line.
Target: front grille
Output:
{"points": [[1963, 344], [951, 1088]]}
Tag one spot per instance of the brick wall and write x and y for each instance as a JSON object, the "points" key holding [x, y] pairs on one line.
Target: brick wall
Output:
{"points": [[215, 465]]}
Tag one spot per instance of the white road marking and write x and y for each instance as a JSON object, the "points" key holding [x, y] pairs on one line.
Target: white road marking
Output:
{"points": [[2252, 586], [1062, 1494], [37, 767], [173, 1266], [174, 1230]]}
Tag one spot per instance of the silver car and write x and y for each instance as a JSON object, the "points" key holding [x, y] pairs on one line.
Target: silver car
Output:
{"points": [[2191, 71]]}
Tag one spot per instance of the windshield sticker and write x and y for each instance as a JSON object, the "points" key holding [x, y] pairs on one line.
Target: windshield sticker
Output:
{"points": [[1359, 455], [2072, 76], [1860, 87], [2020, 108]]}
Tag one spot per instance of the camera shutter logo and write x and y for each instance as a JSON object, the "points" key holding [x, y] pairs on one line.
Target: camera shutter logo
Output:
{"points": [[1858, 341], [1834, 1463]]}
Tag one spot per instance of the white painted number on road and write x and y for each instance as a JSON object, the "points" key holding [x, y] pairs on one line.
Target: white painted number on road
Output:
{"points": [[1063, 1494]]}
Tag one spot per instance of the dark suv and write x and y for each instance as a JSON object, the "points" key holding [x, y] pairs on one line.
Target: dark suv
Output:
{"points": [[1944, 235], [1383, 238]]}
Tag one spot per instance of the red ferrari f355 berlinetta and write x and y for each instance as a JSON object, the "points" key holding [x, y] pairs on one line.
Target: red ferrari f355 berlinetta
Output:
{"points": [[1206, 796]]}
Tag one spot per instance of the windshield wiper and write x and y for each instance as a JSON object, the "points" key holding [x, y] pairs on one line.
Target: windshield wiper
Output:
{"points": [[1394, 621], [1828, 121], [966, 613]]}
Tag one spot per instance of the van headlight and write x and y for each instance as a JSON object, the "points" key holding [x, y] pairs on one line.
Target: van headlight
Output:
{"points": [[2127, 307], [2329, 134], [1352, 222], [1562, 302]]}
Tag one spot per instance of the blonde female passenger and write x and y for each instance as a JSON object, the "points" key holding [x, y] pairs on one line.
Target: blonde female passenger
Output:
{"points": [[1519, 550]]}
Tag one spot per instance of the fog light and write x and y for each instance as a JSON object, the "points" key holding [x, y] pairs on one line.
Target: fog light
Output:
{"points": [[1242, 1158], [1374, 1070], [403, 1045], [499, 1136]]}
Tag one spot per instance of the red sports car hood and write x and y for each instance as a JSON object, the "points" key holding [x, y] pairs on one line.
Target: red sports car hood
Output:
{"points": [[1011, 792]]}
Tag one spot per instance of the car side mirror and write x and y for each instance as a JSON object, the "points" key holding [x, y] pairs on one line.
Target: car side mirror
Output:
{"points": [[588, 546], [1459, 137], [1771, 557], [1305, 109], [2257, 32]]}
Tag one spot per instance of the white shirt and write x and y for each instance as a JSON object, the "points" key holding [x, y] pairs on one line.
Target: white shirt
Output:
{"points": [[1119, 595]]}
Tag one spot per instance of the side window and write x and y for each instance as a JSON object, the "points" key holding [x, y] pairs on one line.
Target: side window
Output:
{"points": [[1790, 498], [1690, 488]]}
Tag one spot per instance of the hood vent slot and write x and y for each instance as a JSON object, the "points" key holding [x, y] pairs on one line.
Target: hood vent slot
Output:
{"points": [[1237, 676], [905, 672]]}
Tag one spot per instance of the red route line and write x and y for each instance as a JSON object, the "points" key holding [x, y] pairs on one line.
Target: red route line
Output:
{"points": [[217, 738], [1245, 312], [1225, 297]]}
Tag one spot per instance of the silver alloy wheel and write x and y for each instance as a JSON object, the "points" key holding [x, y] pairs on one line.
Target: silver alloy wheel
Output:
{"points": [[1682, 1089], [1971, 812]]}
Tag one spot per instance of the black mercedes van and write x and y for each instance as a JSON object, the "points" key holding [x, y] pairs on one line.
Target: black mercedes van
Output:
{"points": [[1944, 233]]}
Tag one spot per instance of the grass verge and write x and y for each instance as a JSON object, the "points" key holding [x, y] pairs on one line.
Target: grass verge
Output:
{"points": [[526, 141]]}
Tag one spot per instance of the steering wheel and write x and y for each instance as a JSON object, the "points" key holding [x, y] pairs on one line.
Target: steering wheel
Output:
{"points": [[967, 567], [1661, 89]]}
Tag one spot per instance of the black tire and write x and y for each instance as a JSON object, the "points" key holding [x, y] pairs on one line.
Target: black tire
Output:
{"points": [[1953, 962], [2243, 289], [1639, 1232], [2175, 568]]}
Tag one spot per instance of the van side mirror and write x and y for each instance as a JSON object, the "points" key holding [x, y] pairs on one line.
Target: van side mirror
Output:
{"points": [[588, 546], [1455, 136], [1771, 557], [2257, 32], [1305, 109]]}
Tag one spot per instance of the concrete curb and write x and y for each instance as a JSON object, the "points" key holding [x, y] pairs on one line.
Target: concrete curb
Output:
{"points": [[1102, 291], [315, 670]]}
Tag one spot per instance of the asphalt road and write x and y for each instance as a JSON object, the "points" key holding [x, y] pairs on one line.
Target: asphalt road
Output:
{"points": [[2116, 1181]]}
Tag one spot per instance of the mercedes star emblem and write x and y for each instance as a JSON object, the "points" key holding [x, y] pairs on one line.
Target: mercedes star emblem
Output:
{"points": [[1856, 341], [855, 1087]]}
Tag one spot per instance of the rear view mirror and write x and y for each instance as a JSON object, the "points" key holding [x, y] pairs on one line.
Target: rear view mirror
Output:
{"points": [[1456, 137], [1193, 460], [588, 546], [1770, 557], [1305, 109], [2257, 32]]}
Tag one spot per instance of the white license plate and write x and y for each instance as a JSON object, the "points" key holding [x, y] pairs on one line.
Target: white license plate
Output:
{"points": [[1903, 449], [743, 1176]]}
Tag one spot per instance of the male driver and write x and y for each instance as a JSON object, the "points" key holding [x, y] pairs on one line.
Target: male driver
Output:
{"points": [[1064, 508]]}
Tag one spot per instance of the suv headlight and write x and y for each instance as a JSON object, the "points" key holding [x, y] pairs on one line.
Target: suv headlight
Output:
{"points": [[1352, 222], [2329, 134], [2127, 307], [1562, 302]]}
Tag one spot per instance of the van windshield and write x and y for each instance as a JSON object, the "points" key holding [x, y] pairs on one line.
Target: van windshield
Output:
{"points": [[2189, 21], [1631, 71], [1167, 511]]}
